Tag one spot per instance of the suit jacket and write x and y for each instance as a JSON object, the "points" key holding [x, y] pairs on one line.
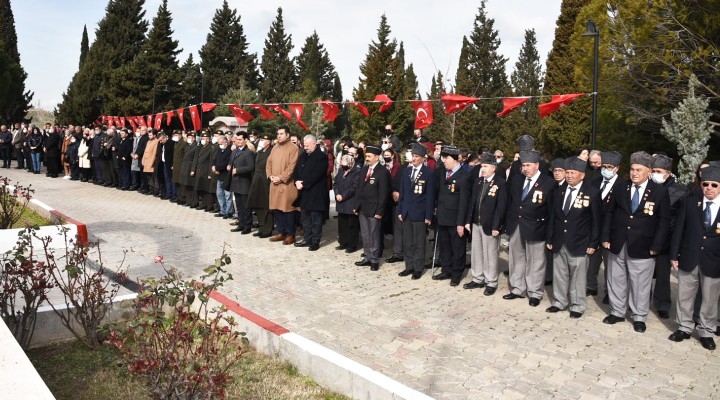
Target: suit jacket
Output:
{"points": [[259, 196], [179, 149], [692, 245], [531, 215], [616, 187], [373, 192], [494, 201], [452, 198], [346, 186], [417, 197], [203, 161], [188, 164], [243, 162], [580, 228], [644, 230], [312, 171], [124, 148], [221, 161]]}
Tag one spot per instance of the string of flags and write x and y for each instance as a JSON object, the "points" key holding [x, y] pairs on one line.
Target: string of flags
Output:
{"points": [[452, 103]]}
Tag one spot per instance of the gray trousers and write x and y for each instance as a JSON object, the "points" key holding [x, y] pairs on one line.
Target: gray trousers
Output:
{"points": [[484, 253], [600, 257], [414, 236], [688, 284], [527, 266], [398, 242], [569, 278], [636, 273], [371, 233]]}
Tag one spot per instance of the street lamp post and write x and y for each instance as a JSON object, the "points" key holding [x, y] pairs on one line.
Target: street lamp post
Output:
{"points": [[592, 30], [202, 95], [164, 89]]}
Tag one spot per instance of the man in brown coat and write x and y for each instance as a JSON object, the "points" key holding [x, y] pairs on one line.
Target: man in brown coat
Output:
{"points": [[280, 170], [148, 160]]}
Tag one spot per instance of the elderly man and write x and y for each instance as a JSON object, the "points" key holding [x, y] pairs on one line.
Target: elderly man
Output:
{"points": [[203, 173], [242, 165], [187, 171], [18, 138], [594, 165], [258, 197], [531, 199], [373, 193], [124, 151], [6, 139], [311, 183], [695, 251], [635, 230], [280, 169], [179, 150], [526, 143], [573, 235], [219, 168]]}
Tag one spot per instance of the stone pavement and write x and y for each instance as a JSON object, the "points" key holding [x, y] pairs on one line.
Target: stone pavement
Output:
{"points": [[446, 342]]}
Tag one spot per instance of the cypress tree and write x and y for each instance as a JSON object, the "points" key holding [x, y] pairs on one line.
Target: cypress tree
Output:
{"points": [[316, 73], [15, 100], [526, 80], [481, 73], [278, 69], [191, 81], [224, 57], [441, 125], [8, 35], [84, 46], [403, 87], [568, 129]]}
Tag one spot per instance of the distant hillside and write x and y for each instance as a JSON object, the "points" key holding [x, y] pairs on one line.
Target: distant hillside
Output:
{"points": [[40, 117]]}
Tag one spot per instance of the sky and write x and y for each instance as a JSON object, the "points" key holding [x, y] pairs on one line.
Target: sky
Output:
{"points": [[49, 32]]}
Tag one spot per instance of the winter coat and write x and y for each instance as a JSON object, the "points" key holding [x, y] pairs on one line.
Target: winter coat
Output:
{"points": [[281, 163], [259, 196]]}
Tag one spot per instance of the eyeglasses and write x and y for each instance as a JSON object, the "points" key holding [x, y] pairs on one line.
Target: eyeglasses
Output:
{"points": [[706, 184]]}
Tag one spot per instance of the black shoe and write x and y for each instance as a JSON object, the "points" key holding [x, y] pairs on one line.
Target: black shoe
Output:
{"points": [[575, 314], [512, 296], [236, 229], [590, 292], [341, 247], [707, 343], [679, 336], [606, 299], [548, 283], [717, 330], [363, 263], [639, 326], [227, 216], [374, 267], [489, 291], [454, 283], [440, 277], [245, 231], [473, 285], [264, 235], [301, 243], [405, 272], [612, 319], [552, 309], [314, 247], [351, 250], [256, 234], [416, 275], [393, 259], [663, 314], [534, 302]]}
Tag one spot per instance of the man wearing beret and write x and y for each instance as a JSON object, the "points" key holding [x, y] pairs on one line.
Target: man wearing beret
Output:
{"points": [[662, 174], [526, 143], [695, 251], [573, 235], [203, 174], [451, 207], [415, 210], [531, 199], [635, 230], [373, 193], [485, 217]]}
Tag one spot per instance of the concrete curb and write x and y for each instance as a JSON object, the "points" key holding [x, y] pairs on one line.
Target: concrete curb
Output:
{"points": [[57, 217], [329, 368]]}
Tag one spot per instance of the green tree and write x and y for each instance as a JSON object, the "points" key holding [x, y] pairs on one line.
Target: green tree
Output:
{"points": [[190, 81], [84, 46], [442, 123], [8, 34], [15, 100], [316, 73], [278, 69], [224, 57], [152, 78], [404, 87], [480, 73], [526, 80]]}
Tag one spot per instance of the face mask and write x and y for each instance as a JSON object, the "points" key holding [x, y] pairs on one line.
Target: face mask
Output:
{"points": [[658, 178], [388, 132], [345, 167], [72, 140], [233, 147], [385, 146], [261, 145], [203, 141], [190, 140], [498, 160], [408, 155], [387, 159], [176, 139], [222, 147], [607, 173], [214, 140]]}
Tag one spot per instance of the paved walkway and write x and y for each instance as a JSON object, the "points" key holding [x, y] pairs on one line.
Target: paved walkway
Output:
{"points": [[447, 342]]}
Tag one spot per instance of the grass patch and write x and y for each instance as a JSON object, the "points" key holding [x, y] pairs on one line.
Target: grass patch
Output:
{"points": [[31, 218], [71, 371]]}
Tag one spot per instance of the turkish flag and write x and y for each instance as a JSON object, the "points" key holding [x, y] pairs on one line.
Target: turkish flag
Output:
{"points": [[242, 116], [181, 117], [264, 112], [131, 120], [279, 109], [331, 110], [423, 113], [557, 101], [158, 121], [456, 102], [150, 121], [511, 103], [141, 121], [195, 116], [206, 107], [170, 115], [122, 121], [363, 110], [297, 109], [383, 98]]}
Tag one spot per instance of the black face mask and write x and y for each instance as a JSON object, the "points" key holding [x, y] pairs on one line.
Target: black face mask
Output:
{"points": [[387, 159], [388, 131], [345, 167]]}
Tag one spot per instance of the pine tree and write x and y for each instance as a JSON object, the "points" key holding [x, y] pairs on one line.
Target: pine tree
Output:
{"points": [[526, 80], [316, 73], [152, 78], [278, 69], [224, 57], [8, 35], [565, 131], [84, 46], [441, 125], [191, 81], [689, 128], [481, 73], [403, 87], [14, 100]]}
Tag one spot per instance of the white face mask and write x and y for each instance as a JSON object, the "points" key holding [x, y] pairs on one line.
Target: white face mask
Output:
{"points": [[214, 140], [176, 139], [203, 141], [408, 155], [190, 140], [607, 173], [222, 147], [498, 160], [385, 146], [658, 178], [261, 145]]}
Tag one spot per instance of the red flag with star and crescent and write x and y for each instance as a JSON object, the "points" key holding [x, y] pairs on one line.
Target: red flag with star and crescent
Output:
{"points": [[264, 112], [331, 110], [557, 101], [181, 117], [140, 121], [195, 116], [281, 110], [170, 115], [511, 103], [158, 121], [207, 107], [423, 113], [456, 102], [297, 109], [385, 100], [241, 115], [131, 121], [363, 110]]}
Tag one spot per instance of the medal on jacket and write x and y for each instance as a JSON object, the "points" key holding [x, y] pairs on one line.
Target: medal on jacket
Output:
{"points": [[452, 187], [537, 197], [649, 207], [418, 186], [493, 190], [717, 230]]}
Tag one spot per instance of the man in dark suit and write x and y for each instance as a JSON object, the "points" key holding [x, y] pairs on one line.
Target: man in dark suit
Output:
{"points": [[124, 150], [695, 251], [573, 235], [451, 207], [166, 160], [259, 195], [242, 166], [415, 210], [373, 193], [219, 169], [526, 143], [187, 171], [484, 218], [313, 196], [608, 183], [531, 199], [635, 229]]}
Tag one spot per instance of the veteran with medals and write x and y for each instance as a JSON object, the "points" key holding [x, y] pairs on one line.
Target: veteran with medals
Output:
{"points": [[373, 193]]}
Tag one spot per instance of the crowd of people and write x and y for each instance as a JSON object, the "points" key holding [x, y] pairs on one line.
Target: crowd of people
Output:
{"points": [[563, 218]]}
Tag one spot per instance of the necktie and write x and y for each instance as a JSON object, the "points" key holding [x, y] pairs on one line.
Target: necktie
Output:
{"points": [[708, 214], [568, 198], [370, 171], [413, 175], [526, 189], [448, 175], [604, 185], [636, 198]]}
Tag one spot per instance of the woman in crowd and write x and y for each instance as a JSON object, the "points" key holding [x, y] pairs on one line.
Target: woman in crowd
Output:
{"points": [[35, 142], [346, 183]]}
